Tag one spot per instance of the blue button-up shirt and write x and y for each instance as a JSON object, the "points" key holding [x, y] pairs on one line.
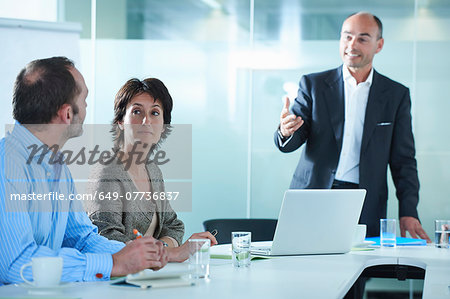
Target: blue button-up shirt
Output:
{"points": [[47, 227]]}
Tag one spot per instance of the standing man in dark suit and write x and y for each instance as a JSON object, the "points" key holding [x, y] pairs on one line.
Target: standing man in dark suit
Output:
{"points": [[355, 122]]}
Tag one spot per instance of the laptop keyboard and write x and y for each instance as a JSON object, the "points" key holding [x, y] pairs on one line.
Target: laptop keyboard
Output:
{"points": [[263, 250]]}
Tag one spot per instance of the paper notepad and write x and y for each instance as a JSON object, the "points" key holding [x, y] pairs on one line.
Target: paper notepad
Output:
{"points": [[229, 256], [223, 252], [401, 241], [172, 275]]}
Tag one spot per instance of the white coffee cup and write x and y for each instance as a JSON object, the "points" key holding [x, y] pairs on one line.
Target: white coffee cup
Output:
{"points": [[46, 271], [360, 234]]}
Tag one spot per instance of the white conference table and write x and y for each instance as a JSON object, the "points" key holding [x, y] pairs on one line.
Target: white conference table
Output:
{"points": [[309, 276]]}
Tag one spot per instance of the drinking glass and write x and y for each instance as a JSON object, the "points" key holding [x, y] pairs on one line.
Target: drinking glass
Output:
{"points": [[388, 232], [199, 257], [241, 242]]}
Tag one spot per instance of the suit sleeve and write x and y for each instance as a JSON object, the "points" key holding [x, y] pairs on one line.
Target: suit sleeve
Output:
{"points": [[302, 107], [402, 161]]}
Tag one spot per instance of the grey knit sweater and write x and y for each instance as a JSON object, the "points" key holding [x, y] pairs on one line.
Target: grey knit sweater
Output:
{"points": [[116, 216]]}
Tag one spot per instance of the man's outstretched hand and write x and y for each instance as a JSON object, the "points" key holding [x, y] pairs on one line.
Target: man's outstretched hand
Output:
{"points": [[413, 226]]}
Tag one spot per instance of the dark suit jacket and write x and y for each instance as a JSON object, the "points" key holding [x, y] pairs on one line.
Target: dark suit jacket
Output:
{"points": [[387, 140]]}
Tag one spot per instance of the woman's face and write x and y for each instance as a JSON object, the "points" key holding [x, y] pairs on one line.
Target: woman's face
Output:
{"points": [[143, 120]]}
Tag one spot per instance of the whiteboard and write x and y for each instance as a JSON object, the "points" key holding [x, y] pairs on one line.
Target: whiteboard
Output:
{"points": [[23, 41]]}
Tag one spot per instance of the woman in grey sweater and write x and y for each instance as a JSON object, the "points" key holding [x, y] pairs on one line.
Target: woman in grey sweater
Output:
{"points": [[126, 186]]}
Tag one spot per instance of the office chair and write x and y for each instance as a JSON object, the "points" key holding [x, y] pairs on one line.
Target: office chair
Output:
{"points": [[262, 229]]}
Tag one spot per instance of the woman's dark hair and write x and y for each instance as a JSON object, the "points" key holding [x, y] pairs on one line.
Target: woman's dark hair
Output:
{"points": [[133, 87], [42, 88]]}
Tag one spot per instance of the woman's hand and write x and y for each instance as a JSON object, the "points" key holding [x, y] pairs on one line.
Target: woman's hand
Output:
{"points": [[180, 254]]}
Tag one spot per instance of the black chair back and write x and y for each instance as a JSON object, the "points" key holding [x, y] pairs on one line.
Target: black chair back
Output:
{"points": [[262, 229]]}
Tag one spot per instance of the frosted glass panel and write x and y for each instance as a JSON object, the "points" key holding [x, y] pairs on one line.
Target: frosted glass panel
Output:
{"points": [[43, 10], [433, 94]]}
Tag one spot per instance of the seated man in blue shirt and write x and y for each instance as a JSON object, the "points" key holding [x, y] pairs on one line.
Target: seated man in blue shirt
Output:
{"points": [[49, 105]]}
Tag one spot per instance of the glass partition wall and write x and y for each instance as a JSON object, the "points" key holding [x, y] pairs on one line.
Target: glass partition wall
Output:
{"points": [[229, 63]]}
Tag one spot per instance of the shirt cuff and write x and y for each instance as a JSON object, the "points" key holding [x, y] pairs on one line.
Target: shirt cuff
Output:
{"points": [[281, 137], [98, 267]]}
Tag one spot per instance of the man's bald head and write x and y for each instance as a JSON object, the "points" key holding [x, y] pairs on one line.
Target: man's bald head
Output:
{"points": [[42, 88], [369, 15]]}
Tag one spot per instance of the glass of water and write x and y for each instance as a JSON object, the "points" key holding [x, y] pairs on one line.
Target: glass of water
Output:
{"points": [[441, 233], [199, 257], [388, 232], [240, 244]]}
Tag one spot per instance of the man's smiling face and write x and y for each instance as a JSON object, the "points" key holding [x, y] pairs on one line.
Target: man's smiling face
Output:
{"points": [[360, 41]]}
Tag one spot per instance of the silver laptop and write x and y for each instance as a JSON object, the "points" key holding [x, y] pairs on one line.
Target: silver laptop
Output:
{"points": [[315, 222]]}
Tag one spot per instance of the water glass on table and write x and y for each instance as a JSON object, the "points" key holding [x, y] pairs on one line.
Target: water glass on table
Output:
{"points": [[199, 257], [441, 233], [388, 233], [240, 245]]}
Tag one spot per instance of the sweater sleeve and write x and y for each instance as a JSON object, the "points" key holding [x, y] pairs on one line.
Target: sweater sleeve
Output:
{"points": [[106, 208]]}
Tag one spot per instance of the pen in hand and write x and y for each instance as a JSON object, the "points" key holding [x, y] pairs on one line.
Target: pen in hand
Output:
{"points": [[137, 233]]}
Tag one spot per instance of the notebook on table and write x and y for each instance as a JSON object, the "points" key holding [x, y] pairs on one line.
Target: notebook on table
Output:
{"points": [[172, 275], [315, 222]]}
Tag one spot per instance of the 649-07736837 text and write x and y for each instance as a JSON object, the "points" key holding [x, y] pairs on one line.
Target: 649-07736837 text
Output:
{"points": [[164, 195]]}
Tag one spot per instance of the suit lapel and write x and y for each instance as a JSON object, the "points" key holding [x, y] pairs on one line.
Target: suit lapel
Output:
{"points": [[375, 106], [334, 95]]}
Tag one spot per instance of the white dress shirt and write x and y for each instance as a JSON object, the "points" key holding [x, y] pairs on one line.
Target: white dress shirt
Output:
{"points": [[356, 96]]}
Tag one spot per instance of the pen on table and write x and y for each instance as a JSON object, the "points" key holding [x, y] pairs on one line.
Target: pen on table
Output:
{"points": [[214, 232], [137, 233]]}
